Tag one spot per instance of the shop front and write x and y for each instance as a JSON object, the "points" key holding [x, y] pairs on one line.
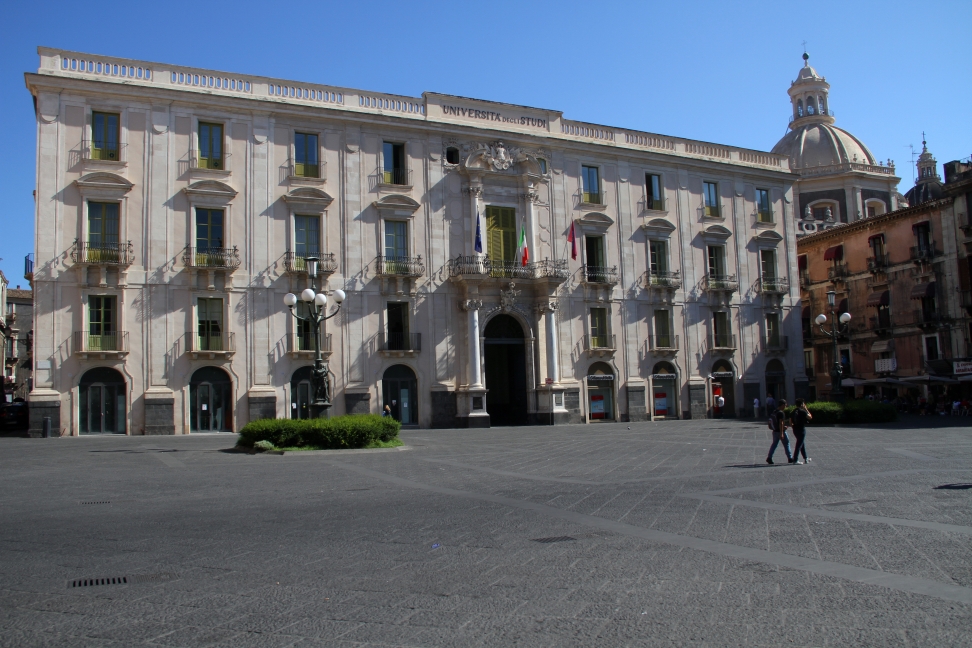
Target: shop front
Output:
{"points": [[723, 384], [600, 392], [664, 391]]}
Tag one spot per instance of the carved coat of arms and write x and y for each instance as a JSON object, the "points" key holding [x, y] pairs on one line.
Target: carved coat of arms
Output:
{"points": [[508, 298]]}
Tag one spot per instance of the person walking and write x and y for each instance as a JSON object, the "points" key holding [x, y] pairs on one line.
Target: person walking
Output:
{"points": [[777, 423], [720, 405], [799, 421], [756, 408], [386, 412], [770, 404]]}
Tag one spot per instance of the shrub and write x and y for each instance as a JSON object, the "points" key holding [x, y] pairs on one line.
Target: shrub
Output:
{"points": [[351, 431], [855, 411]]}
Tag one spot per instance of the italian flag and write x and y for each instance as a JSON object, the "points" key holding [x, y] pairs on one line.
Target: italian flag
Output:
{"points": [[523, 246]]}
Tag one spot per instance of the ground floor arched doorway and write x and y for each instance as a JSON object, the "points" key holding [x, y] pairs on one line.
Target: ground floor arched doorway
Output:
{"points": [[504, 355], [301, 393], [400, 392], [664, 391], [600, 392], [776, 380], [724, 384], [210, 401], [101, 402]]}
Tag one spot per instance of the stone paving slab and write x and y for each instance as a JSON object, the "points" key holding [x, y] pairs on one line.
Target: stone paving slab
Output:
{"points": [[667, 534]]}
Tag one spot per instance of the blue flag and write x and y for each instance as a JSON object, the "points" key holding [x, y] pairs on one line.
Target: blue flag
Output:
{"points": [[479, 235]]}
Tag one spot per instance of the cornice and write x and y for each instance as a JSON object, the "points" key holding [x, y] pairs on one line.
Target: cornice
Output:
{"points": [[840, 231]]}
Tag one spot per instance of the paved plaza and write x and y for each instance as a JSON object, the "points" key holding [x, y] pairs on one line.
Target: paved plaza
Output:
{"points": [[648, 534]]}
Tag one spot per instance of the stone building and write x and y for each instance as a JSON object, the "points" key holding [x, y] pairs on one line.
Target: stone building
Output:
{"points": [[840, 180], [904, 277], [18, 363], [502, 264]]}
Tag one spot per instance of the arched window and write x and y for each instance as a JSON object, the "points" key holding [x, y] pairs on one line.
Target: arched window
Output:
{"points": [[452, 155], [821, 106], [799, 107], [811, 107]]}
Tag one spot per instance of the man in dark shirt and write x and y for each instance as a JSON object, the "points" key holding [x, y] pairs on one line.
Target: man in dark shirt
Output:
{"points": [[778, 422], [799, 421]]}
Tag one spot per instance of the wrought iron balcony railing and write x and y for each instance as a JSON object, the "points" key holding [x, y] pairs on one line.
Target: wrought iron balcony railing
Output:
{"points": [[397, 177], [213, 163], [654, 204], [672, 280], [551, 269], [106, 151], [774, 285], [121, 254], [600, 274], [837, 272], [400, 266], [776, 344], [226, 258], [720, 282], [722, 342], [401, 342], [667, 342], [600, 342], [510, 270], [926, 319], [804, 278], [483, 266], [300, 343], [924, 252], [592, 197], [879, 324], [878, 262], [765, 216], [711, 211], [212, 343], [29, 266], [297, 263], [114, 342], [304, 170]]}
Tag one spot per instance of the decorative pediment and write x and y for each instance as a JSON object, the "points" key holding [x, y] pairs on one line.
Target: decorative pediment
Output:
{"points": [[768, 236], [308, 197], [103, 184], [499, 158], [716, 233], [396, 205], [212, 190], [596, 220], [658, 227]]}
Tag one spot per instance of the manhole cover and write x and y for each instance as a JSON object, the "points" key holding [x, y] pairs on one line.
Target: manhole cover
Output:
{"points": [[554, 539]]}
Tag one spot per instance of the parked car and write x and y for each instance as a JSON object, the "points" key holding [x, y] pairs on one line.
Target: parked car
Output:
{"points": [[14, 415]]}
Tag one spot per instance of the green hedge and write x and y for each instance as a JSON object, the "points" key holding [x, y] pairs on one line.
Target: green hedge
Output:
{"points": [[855, 411], [351, 431]]}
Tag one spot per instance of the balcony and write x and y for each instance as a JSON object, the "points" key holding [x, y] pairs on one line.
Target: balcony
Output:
{"points": [[766, 217], [928, 319], [773, 285], [654, 204], [302, 346], [663, 344], [212, 346], [880, 325], [297, 264], [924, 253], [804, 279], [720, 283], [776, 345], [399, 179], [102, 151], [115, 254], [592, 198], [721, 343], [216, 163], [711, 211], [837, 272], [400, 266], [88, 345], [878, 262], [556, 269], [663, 280], [600, 274], [600, 345], [29, 267], [212, 258], [400, 345], [312, 173]]}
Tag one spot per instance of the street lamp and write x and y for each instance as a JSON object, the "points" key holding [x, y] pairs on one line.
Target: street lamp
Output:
{"points": [[316, 308], [838, 327]]}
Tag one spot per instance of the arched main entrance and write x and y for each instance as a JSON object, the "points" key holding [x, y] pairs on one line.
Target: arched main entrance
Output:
{"points": [[301, 393], [210, 401], [600, 392], [724, 384], [505, 360], [101, 402], [664, 392], [399, 390], [775, 379]]}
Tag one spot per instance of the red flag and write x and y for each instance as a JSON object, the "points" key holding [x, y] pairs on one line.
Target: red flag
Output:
{"points": [[573, 241]]}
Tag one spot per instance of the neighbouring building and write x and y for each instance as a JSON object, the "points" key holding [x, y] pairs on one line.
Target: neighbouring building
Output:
{"points": [[17, 356], [503, 264], [904, 278], [840, 181]]}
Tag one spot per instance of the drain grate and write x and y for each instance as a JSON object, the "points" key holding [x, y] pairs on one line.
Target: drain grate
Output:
{"points": [[98, 502], [153, 578], [554, 539], [849, 502], [96, 582]]}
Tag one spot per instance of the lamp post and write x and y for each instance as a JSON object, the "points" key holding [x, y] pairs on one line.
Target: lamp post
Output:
{"points": [[316, 309], [838, 327]]}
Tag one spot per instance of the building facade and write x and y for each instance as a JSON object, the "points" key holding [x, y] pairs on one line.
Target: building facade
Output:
{"points": [[18, 363], [502, 264]]}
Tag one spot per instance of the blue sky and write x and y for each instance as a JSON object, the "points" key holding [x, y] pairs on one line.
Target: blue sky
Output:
{"points": [[714, 71]]}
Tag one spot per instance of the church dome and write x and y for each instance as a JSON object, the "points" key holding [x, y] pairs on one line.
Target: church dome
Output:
{"points": [[822, 144], [928, 186]]}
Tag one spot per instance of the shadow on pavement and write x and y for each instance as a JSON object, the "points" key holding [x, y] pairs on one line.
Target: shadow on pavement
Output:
{"points": [[954, 487]]}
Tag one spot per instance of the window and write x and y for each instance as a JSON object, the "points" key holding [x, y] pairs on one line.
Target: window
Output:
{"points": [[393, 159], [398, 338], [717, 261], [658, 257], [884, 316], [599, 331], [767, 264], [209, 314], [931, 347], [721, 329], [595, 251], [210, 146], [307, 236], [773, 330], [877, 246], [305, 331], [845, 362], [105, 135], [653, 192], [929, 308], [663, 330], [710, 193], [591, 185], [763, 210], [923, 236], [543, 165], [452, 155], [209, 229], [305, 156], [396, 247], [825, 212], [501, 234], [871, 211], [102, 231], [799, 107], [808, 361], [101, 323]]}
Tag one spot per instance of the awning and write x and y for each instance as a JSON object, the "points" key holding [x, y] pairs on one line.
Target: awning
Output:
{"points": [[881, 346], [929, 379], [835, 253], [882, 298], [842, 306], [893, 382], [967, 378], [923, 290]]}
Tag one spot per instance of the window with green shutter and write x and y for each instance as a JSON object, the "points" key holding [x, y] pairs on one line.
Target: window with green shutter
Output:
{"points": [[501, 234], [307, 236], [209, 237], [767, 262], [210, 146], [658, 257], [209, 314], [663, 329], [305, 156], [599, 331], [101, 323], [591, 184], [105, 136], [102, 232]]}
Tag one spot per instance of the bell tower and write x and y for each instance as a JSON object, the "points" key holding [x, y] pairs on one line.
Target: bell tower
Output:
{"points": [[809, 97]]}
